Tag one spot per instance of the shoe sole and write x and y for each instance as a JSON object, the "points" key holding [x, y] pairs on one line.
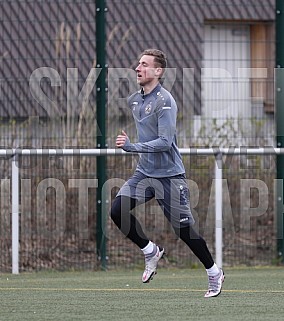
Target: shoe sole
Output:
{"points": [[155, 272]]}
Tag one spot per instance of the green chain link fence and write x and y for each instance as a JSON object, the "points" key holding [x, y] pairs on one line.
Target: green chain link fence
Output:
{"points": [[221, 59]]}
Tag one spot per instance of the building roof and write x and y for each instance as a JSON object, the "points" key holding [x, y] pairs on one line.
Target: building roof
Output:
{"points": [[62, 34]]}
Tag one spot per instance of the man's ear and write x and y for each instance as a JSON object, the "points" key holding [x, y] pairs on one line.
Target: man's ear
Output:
{"points": [[159, 72]]}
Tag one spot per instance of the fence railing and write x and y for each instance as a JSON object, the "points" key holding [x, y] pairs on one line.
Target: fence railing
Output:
{"points": [[13, 154]]}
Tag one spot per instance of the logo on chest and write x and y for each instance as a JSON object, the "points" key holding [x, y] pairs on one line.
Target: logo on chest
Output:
{"points": [[148, 109]]}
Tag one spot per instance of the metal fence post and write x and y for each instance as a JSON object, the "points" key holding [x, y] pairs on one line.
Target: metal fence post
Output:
{"points": [[101, 135], [218, 210], [279, 111], [15, 215]]}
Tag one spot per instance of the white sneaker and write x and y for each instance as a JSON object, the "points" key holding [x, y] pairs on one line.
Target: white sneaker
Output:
{"points": [[151, 264], [215, 285]]}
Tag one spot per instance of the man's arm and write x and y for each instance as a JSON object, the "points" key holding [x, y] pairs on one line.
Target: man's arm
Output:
{"points": [[166, 133]]}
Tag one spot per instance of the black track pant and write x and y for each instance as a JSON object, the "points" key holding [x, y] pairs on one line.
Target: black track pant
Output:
{"points": [[131, 228]]}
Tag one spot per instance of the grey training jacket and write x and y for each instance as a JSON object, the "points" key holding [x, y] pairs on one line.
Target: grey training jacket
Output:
{"points": [[155, 117]]}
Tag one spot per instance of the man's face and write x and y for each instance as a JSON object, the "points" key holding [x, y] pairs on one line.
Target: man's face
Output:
{"points": [[147, 72]]}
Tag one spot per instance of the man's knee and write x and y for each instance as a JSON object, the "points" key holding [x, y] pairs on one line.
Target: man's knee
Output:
{"points": [[121, 206], [115, 211]]}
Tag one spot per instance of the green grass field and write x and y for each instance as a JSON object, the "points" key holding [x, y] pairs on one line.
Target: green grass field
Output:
{"points": [[248, 294]]}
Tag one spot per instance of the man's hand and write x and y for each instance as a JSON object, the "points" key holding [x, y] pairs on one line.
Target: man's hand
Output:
{"points": [[121, 139]]}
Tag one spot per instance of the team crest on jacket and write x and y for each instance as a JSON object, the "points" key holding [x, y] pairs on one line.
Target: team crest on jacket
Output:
{"points": [[148, 109]]}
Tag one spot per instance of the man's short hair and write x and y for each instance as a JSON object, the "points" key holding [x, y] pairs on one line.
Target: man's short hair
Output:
{"points": [[159, 57]]}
